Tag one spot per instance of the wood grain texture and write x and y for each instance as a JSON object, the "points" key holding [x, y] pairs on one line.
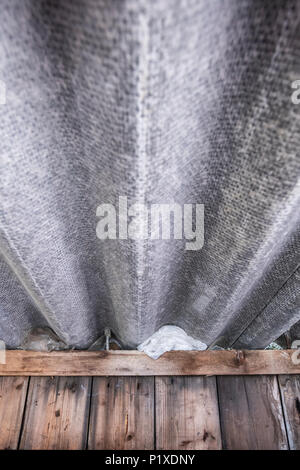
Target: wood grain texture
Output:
{"points": [[130, 363], [290, 394], [187, 416], [251, 413], [56, 415], [122, 413], [12, 400]]}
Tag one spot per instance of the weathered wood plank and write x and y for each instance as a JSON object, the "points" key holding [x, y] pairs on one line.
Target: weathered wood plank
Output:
{"points": [[187, 415], [56, 415], [290, 393], [122, 413], [251, 413], [127, 363], [12, 400]]}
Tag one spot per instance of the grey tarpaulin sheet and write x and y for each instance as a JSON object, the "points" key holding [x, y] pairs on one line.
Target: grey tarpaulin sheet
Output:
{"points": [[161, 101]]}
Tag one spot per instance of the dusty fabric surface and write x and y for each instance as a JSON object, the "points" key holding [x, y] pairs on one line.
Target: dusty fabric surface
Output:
{"points": [[161, 101]]}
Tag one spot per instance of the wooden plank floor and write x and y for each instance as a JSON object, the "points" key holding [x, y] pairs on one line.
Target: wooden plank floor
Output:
{"points": [[163, 413]]}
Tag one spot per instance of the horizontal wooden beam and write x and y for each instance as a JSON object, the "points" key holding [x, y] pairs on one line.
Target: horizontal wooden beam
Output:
{"points": [[117, 363]]}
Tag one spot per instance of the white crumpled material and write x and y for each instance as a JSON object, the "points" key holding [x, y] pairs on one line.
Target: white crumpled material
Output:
{"points": [[170, 338]]}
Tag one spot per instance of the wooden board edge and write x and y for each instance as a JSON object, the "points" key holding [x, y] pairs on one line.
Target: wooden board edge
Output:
{"points": [[131, 363]]}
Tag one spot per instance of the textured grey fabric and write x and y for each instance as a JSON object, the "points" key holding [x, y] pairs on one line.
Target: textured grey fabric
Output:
{"points": [[161, 101]]}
